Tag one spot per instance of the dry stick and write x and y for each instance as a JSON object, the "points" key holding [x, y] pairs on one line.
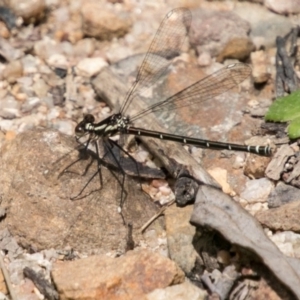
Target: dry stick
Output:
{"points": [[41, 283], [7, 279], [159, 213]]}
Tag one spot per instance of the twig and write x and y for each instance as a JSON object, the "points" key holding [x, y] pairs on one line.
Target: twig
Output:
{"points": [[159, 213], [41, 283], [7, 279]]}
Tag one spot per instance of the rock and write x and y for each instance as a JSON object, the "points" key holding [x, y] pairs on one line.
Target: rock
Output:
{"points": [[255, 166], [4, 32], [8, 52], [103, 24], [9, 244], [115, 53], [260, 71], [89, 223], [57, 61], [27, 290], [265, 25], [257, 190], [30, 103], [253, 208], [283, 194], [30, 10], [224, 257], [220, 175], [70, 30], [45, 48], [185, 290], [131, 276], [285, 217], [40, 88], [30, 64], [180, 234], [3, 288], [204, 59], [13, 71], [89, 67], [10, 108], [236, 48], [287, 242], [34, 261], [279, 161], [283, 7], [9, 135], [207, 32], [84, 48]]}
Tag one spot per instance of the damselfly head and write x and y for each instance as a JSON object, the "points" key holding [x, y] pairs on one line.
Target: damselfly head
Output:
{"points": [[82, 128]]}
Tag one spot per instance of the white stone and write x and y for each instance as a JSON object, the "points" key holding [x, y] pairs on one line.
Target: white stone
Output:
{"points": [[288, 243], [57, 60], [257, 190], [88, 67], [184, 290]]}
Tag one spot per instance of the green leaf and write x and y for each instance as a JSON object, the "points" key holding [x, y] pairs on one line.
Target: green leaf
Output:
{"points": [[294, 129], [285, 108]]}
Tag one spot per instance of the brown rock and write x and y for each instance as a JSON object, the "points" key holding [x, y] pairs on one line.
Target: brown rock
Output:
{"points": [[42, 215], [29, 10], [285, 217], [238, 48], [260, 72], [128, 277], [255, 166], [13, 71], [10, 135], [3, 288], [4, 32], [103, 24], [277, 164]]}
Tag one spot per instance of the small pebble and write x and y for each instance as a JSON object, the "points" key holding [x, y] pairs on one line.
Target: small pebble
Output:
{"points": [[224, 257], [157, 183], [257, 190], [29, 10], [13, 71], [57, 61], [89, 67]]}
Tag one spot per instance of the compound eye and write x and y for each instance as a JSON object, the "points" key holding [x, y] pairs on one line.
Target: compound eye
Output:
{"points": [[79, 130]]}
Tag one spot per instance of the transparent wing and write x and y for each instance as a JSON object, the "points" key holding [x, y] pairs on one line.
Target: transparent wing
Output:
{"points": [[167, 42], [202, 90]]}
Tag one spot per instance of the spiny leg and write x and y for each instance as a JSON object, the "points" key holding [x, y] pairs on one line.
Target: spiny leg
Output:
{"points": [[109, 146]]}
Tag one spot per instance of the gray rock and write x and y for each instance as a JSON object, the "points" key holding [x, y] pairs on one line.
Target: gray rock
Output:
{"points": [[207, 32], [180, 234], [265, 25], [257, 190], [283, 194]]}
